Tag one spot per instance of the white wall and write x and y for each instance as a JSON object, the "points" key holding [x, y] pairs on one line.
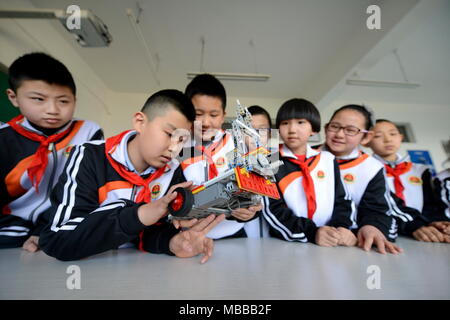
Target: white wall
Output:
{"points": [[20, 36], [96, 102], [113, 110]]}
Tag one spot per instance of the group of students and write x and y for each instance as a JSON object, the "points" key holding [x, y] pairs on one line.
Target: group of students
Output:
{"points": [[70, 192]]}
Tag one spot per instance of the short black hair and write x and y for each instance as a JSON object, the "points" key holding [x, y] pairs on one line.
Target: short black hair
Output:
{"points": [[39, 66], [384, 120], [299, 109], [207, 84], [362, 110], [388, 121], [254, 110], [161, 101]]}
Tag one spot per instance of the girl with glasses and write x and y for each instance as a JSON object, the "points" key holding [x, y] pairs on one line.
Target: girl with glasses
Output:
{"points": [[363, 176]]}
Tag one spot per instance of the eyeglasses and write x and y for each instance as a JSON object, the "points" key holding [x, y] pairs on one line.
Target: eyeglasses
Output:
{"points": [[348, 130]]}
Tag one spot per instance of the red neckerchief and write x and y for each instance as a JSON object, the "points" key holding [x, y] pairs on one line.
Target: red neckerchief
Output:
{"points": [[40, 159], [396, 172], [207, 151], [307, 182], [144, 194]]}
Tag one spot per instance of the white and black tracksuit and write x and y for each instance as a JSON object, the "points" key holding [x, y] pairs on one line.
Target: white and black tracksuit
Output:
{"points": [[94, 209], [21, 204], [365, 180], [416, 209], [442, 192], [288, 217]]}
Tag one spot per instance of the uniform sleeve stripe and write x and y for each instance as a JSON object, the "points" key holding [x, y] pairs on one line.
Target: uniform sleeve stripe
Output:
{"points": [[14, 228], [445, 195], [13, 234], [396, 210], [276, 224], [353, 214], [66, 206], [110, 206], [393, 230], [67, 227], [76, 220], [393, 208]]}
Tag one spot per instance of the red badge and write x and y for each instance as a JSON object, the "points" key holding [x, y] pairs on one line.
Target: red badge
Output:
{"points": [[156, 189], [415, 180], [220, 162], [349, 178], [320, 174], [67, 150]]}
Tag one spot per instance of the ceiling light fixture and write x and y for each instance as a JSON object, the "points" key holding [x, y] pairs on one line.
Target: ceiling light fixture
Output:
{"points": [[228, 75], [233, 76], [386, 84]]}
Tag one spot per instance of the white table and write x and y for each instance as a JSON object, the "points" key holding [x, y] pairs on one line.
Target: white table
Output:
{"points": [[260, 269]]}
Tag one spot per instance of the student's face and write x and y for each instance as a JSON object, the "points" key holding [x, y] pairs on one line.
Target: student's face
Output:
{"points": [[46, 105], [341, 144], [262, 125], [161, 139], [386, 140], [209, 111], [295, 134]]}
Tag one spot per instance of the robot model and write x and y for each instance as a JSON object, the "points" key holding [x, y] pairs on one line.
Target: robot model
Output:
{"points": [[249, 176]]}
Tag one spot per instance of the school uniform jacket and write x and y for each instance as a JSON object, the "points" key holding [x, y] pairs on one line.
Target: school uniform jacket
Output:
{"points": [[94, 209], [416, 180], [287, 216], [20, 203], [365, 180], [442, 193], [195, 168], [418, 206]]}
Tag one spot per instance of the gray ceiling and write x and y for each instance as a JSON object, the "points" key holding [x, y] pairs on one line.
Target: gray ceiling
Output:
{"points": [[306, 46]]}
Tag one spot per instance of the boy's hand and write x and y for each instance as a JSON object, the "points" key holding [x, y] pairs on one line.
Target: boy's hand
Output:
{"points": [[327, 236], [32, 244], [246, 214], [151, 212], [193, 241], [429, 234], [184, 223], [442, 226], [348, 238], [369, 235]]}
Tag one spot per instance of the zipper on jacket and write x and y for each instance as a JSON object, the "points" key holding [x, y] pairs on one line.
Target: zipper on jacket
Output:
{"points": [[133, 193], [51, 147], [260, 226]]}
